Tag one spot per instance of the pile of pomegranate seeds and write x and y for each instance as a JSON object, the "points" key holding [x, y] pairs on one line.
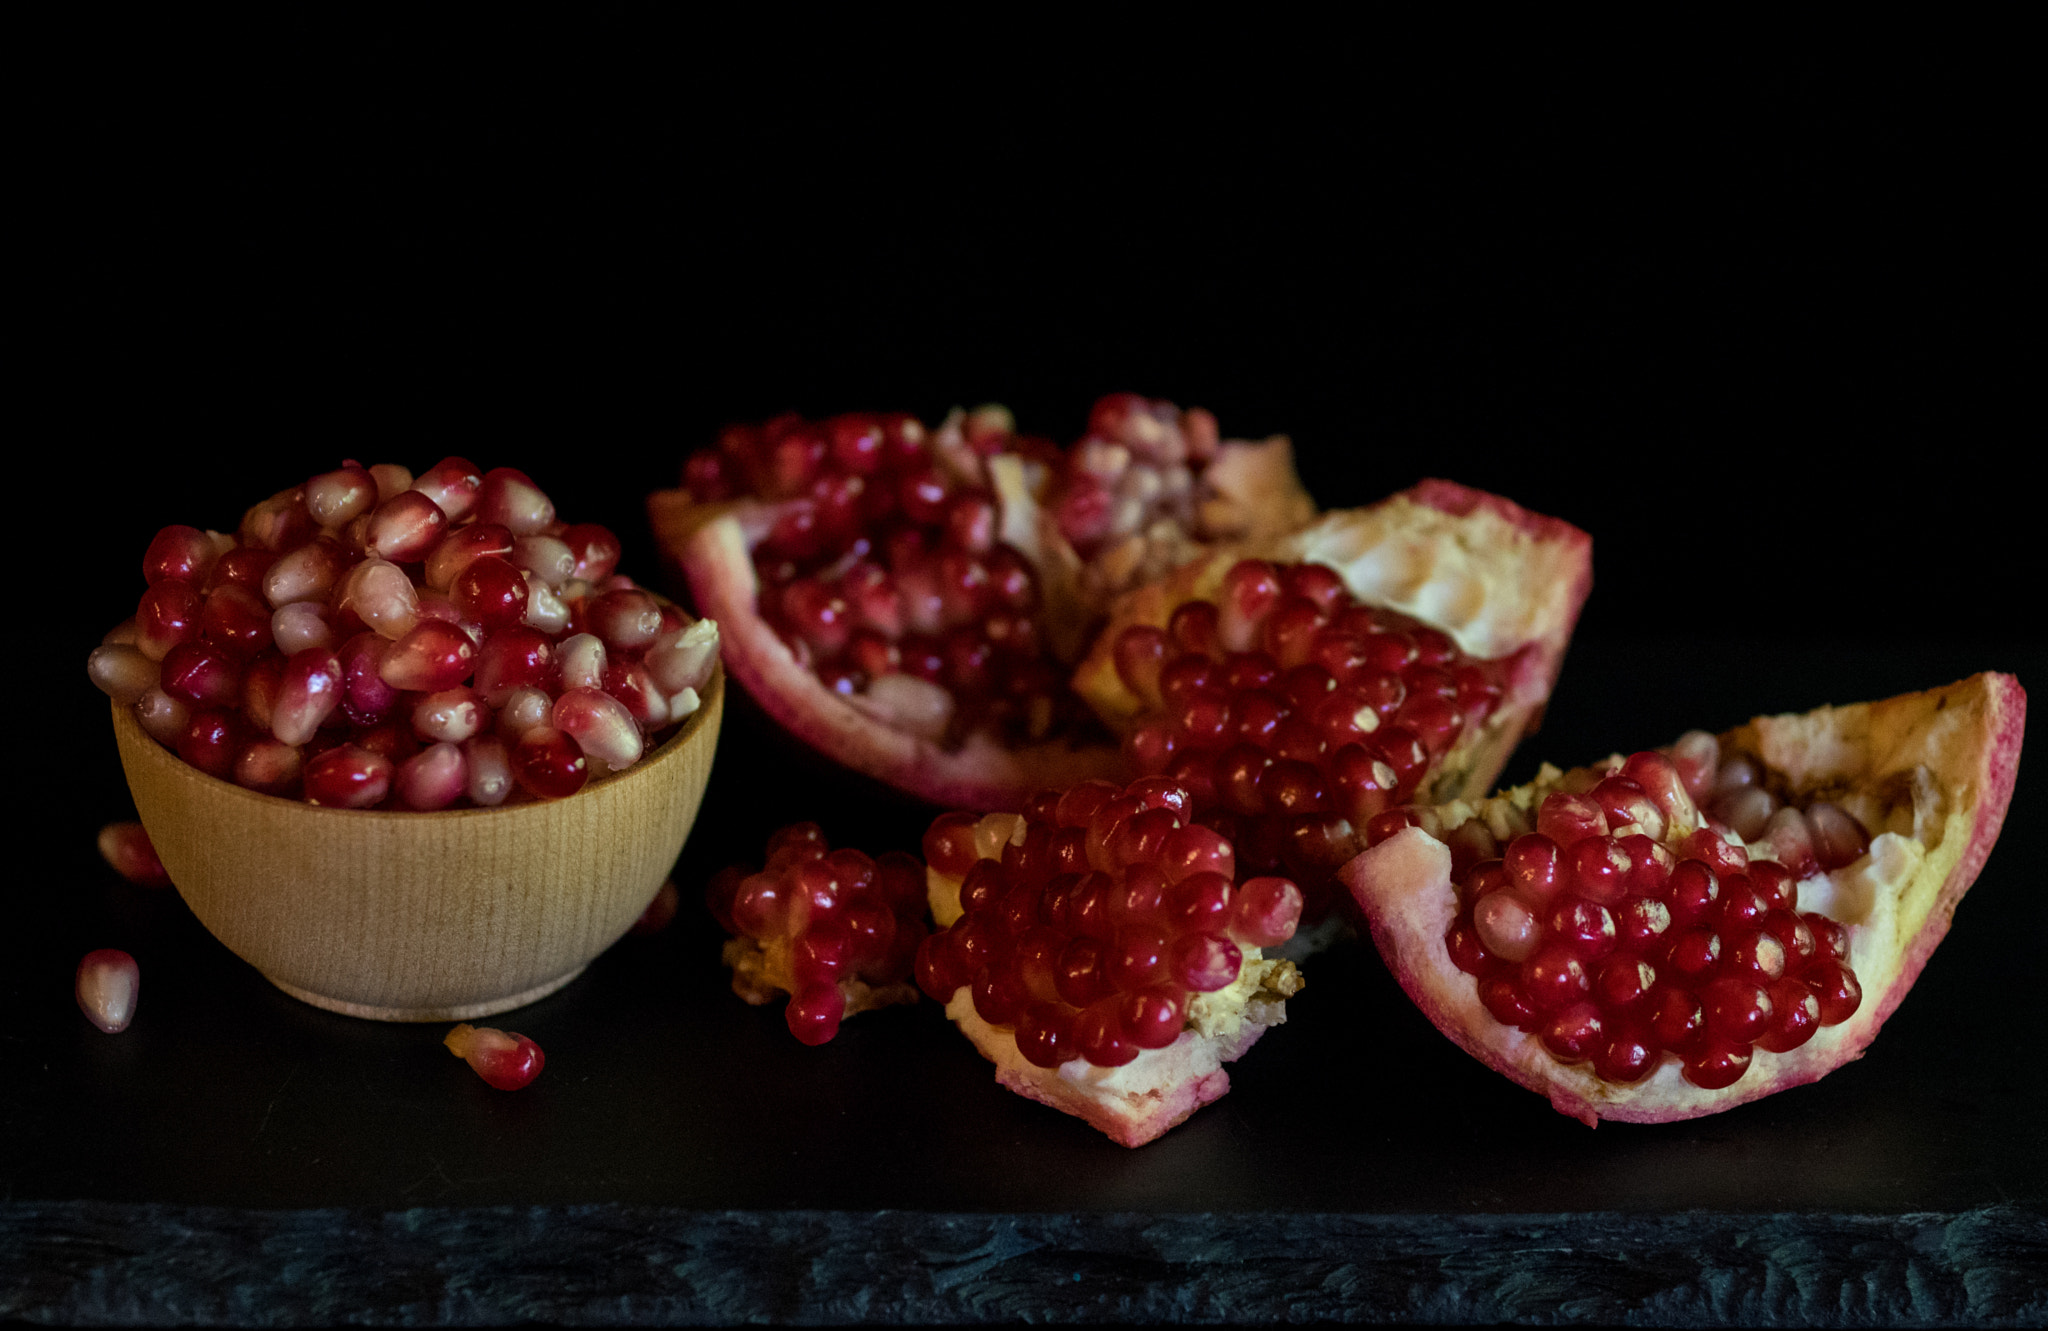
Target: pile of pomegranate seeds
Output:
{"points": [[504, 1059], [1293, 714], [834, 929], [904, 565], [372, 640], [127, 849], [107, 986], [1092, 929], [1623, 927]]}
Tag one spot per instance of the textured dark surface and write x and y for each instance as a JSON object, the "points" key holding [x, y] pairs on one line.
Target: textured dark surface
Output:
{"points": [[607, 1265], [1753, 336]]}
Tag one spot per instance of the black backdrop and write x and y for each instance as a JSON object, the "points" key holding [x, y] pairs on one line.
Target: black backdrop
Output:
{"points": [[1762, 335]]}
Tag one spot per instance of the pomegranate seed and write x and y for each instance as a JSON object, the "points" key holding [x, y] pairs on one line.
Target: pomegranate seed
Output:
{"points": [[209, 743], [308, 573], [1716, 1062], [505, 1060], [162, 716], [1838, 839], [462, 547], [301, 626], [382, 596], [106, 987], [167, 615], [268, 766], [1837, 988], [180, 554], [433, 778], [122, 672], [548, 763], [1506, 926], [510, 499], [453, 484], [490, 770], [126, 847], [348, 777], [601, 726], [431, 657]]}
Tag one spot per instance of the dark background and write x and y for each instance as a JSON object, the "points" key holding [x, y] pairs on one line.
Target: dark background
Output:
{"points": [[1761, 334]]}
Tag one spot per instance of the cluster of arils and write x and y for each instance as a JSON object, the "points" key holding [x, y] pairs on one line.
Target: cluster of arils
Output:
{"points": [[1622, 929], [1089, 926], [371, 639], [835, 930], [1294, 713]]}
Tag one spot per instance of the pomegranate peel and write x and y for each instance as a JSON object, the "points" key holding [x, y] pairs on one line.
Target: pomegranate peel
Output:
{"points": [[1928, 774]]}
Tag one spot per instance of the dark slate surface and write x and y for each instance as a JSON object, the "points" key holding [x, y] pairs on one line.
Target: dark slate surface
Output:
{"points": [[1754, 337]]}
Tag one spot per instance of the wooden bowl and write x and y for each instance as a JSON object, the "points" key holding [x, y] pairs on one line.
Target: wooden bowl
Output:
{"points": [[422, 916]]}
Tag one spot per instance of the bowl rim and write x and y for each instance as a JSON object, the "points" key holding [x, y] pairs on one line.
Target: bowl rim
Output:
{"points": [[125, 722]]}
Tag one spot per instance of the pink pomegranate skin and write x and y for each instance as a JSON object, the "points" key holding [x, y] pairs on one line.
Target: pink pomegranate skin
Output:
{"points": [[1966, 736]]}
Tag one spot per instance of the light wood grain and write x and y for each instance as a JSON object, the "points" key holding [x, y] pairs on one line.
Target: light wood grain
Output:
{"points": [[422, 916]]}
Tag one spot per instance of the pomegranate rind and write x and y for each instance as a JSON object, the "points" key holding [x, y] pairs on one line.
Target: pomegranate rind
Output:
{"points": [[1131, 1105], [709, 547], [1501, 580], [1949, 756]]}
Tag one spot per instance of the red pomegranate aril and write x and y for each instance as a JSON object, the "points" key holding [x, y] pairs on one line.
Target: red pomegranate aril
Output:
{"points": [[307, 573], [348, 777], [1628, 1054], [1676, 1018], [106, 986], [1099, 1037], [625, 619], [167, 615], [1152, 1018], [1553, 978], [1716, 1062], [1600, 869], [511, 659], [126, 848], [505, 1060], [431, 657], [242, 566], [601, 726], [1137, 958], [1505, 926], [1747, 811], [1695, 893], [1584, 928], [268, 766], [1574, 1034], [1641, 924], [490, 592], [453, 484], [179, 554], [162, 716], [1535, 867], [210, 742], [301, 625], [1568, 819], [1203, 962], [1650, 865], [122, 672], [1736, 1008], [1796, 1016], [433, 778], [547, 762], [406, 529], [1045, 1035], [1693, 952], [201, 675], [1837, 988], [1503, 999], [510, 499], [382, 596], [1829, 938], [1624, 981], [1838, 839], [489, 763], [1742, 907], [1755, 956], [236, 620]]}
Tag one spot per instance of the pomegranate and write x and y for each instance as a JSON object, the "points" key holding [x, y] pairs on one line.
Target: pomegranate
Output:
{"points": [[504, 1059], [1099, 950], [370, 640], [1693, 928], [107, 986], [835, 930], [1396, 653], [909, 601]]}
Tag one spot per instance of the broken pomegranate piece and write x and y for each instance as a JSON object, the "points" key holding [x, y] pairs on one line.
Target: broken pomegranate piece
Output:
{"points": [[835, 930], [106, 987], [1381, 655], [909, 600], [504, 1059], [1685, 930], [368, 640], [1099, 950]]}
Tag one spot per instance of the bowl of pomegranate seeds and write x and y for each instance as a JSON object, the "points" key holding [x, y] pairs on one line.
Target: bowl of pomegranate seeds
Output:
{"points": [[410, 745]]}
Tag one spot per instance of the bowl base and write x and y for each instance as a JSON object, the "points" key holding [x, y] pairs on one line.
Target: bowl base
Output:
{"points": [[458, 1012]]}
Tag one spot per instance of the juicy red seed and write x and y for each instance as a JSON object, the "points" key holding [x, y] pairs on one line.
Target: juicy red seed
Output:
{"points": [[1152, 1018], [949, 844], [549, 763], [1623, 981], [1504, 925], [348, 777], [1099, 1035], [1795, 1016], [1641, 923], [1204, 962], [236, 620], [1575, 1033], [1293, 787], [1503, 999], [209, 743], [1628, 1054], [1535, 867], [1736, 1009], [940, 971], [1837, 988], [431, 657], [1693, 952], [1553, 978], [1600, 869], [406, 529], [179, 554], [126, 847], [1137, 958], [1838, 838], [106, 987], [1568, 819], [1716, 1062], [1829, 938], [1695, 892], [1045, 1035], [814, 1012], [1584, 928], [999, 995], [491, 592], [1742, 906], [1193, 628], [203, 676], [1777, 888], [1650, 864], [1675, 1017], [1755, 956], [1265, 911]]}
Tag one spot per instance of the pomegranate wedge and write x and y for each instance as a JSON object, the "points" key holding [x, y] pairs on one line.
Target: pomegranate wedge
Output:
{"points": [[1684, 931], [1378, 656], [909, 601], [1098, 950]]}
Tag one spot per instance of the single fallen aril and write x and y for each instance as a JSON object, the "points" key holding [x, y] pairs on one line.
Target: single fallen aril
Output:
{"points": [[910, 601], [126, 848], [1379, 656], [1690, 929], [107, 986], [1099, 950], [834, 930], [504, 1059], [374, 640]]}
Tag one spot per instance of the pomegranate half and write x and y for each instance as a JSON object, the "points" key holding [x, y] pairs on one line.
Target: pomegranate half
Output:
{"points": [[1685, 931], [910, 601]]}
